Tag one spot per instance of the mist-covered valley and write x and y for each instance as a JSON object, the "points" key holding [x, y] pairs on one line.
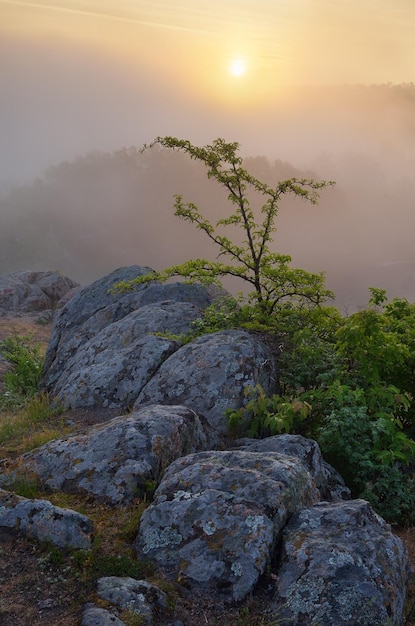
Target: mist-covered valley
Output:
{"points": [[99, 210]]}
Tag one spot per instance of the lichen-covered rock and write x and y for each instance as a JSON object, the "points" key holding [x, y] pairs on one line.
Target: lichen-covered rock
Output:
{"points": [[110, 369], [138, 596], [43, 521], [117, 460], [29, 292], [216, 517], [98, 305], [210, 375], [341, 564], [328, 480], [96, 616], [103, 347]]}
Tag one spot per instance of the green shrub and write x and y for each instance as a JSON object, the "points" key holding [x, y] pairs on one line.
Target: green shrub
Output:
{"points": [[360, 435], [264, 416], [24, 355]]}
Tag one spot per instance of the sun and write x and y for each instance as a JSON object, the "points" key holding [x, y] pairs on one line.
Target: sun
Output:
{"points": [[237, 67]]}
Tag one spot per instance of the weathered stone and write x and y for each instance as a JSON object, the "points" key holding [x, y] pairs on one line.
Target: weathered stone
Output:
{"points": [[116, 460], [110, 369], [216, 517], [328, 480], [138, 596], [32, 291], [95, 616], [45, 522], [341, 564], [103, 347], [210, 375]]}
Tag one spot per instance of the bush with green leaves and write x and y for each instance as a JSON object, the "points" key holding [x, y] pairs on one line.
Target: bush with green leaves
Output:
{"points": [[377, 345], [352, 379], [361, 434], [264, 416], [23, 378]]}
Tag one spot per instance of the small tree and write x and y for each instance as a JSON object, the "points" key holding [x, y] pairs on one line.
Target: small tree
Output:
{"points": [[269, 274]]}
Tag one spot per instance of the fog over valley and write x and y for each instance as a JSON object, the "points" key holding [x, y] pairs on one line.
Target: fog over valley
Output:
{"points": [[81, 92]]}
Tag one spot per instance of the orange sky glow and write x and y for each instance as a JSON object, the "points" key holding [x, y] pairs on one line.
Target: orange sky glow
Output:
{"points": [[283, 42], [89, 72]]}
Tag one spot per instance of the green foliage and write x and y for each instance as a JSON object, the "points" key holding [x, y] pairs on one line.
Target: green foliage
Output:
{"points": [[309, 358], [264, 416], [361, 436], [271, 279], [224, 314], [377, 345], [348, 383], [391, 492], [22, 381]]}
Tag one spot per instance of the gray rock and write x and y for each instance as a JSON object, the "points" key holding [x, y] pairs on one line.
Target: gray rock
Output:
{"points": [[45, 522], [110, 369], [216, 517], [103, 347], [138, 596], [116, 460], [95, 616], [328, 480], [30, 292], [210, 375], [341, 564]]}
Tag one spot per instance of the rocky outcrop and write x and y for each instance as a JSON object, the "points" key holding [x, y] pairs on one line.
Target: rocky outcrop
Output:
{"points": [[221, 519], [97, 306], [341, 564], [41, 520], [210, 375], [33, 292], [216, 517], [118, 350], [112, 367], [328, 481], [116, 462]]}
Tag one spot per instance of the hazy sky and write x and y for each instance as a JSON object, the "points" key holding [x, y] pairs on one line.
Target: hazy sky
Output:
{"points": [[78, 74]]}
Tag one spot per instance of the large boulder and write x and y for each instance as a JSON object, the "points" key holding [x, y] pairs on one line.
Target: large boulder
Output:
{"points": [[121, 350], [104, 345], [328, 480], [210, 375], [111, 368], [341, 564], [33, 292], [217, 515], [116, 461]]}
